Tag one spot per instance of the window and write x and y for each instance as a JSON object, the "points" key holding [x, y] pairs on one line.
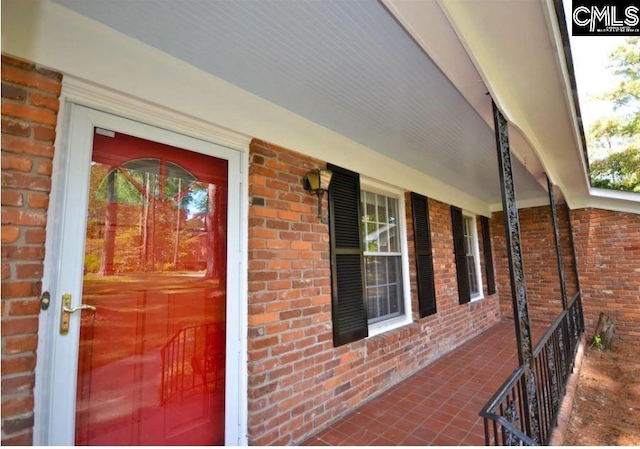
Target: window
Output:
{"points": [[382, 257], [471, 253], [465, 242], [368, 259]]}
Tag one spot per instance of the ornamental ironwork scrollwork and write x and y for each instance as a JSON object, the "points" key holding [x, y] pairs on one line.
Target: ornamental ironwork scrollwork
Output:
{"points": [[551, 365], [511, 414]]}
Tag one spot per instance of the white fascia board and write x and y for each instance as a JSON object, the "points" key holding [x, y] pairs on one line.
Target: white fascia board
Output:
{"points": [[615, 200], [58, 38]]}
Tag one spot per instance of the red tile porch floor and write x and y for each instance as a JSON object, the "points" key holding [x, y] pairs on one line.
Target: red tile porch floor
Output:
{"points": [[440, 404]]}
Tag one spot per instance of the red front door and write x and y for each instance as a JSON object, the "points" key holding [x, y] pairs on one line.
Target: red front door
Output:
{"points": [[152, 356]]}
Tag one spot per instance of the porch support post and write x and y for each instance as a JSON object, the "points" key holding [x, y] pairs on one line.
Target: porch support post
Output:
{"points": [[563, 291], [575, 268], [556, 235], [516, 273]]}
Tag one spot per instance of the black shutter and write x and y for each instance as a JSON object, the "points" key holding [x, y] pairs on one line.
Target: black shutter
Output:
{"points": [[424, 256], [462, 271], [488, 260], [347, 274]]}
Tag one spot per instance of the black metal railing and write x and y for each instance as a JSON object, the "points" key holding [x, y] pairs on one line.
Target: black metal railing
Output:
{"points": [[505, 422]]}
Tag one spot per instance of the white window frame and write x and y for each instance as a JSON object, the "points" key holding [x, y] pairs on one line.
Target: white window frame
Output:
{"points": [[476, 255], [398, 194]]}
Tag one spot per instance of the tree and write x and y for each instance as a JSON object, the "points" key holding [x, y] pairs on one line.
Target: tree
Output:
{"points": [[620, 170]]}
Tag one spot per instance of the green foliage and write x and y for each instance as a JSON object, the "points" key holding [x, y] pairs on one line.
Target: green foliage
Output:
{"points": [[597, 340], [620, 170]]}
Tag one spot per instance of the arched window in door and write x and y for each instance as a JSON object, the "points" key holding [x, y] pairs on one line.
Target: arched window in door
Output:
{"points": [[151, 215]]}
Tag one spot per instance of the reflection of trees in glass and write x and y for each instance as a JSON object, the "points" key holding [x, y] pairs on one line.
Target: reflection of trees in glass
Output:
{"points": [[146, 217]]}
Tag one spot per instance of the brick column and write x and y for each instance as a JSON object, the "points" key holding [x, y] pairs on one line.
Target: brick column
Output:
{"points": [[29, 115]]}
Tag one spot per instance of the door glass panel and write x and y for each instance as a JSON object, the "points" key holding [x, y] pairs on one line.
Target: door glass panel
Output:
{"points": [[151, 365]]}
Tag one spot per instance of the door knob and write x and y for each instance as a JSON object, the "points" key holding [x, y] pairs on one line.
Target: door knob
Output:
{"points": [[67, 310]]}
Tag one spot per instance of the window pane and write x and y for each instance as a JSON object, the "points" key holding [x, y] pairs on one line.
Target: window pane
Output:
{"points": [[382, 208], [469, 248], [394, 245], [380, 223], [384, 287]]}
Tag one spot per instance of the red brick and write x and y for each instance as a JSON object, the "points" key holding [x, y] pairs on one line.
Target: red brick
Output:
{"points": [[23, 252], [29, 78], [15, 127], [600, 237], [10, 234], [22, 181], [22, 439], [14, 425], [15, 62], [11, 198], [21, 364], [28, 271], [29, 113], [20, 289], [16, 163], [21, 217], [35, 236], [6, 272], [44, 133], [45, 168], [38, 200], [45, 101], [16, 406], [26, 146], [20, 384], [28, 133], [19, 326], [57, 76], [24, 307], [15, 93], [18, 345]]}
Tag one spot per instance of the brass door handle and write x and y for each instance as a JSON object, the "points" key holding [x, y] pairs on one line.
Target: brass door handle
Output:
{"points": [[67, 310], [80, 307]]}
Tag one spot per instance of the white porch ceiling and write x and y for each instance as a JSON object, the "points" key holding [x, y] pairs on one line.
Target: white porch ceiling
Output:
{"points": [[346, 65]]}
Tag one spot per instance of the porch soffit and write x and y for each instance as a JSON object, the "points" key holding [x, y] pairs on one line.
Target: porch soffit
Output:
{"points": [[347, 66], [514, 50]]}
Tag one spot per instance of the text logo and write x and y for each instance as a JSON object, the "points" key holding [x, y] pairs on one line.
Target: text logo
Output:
{"points": [[599, 18]]}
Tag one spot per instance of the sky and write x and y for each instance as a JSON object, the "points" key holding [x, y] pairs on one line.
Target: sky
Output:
{"points": [[590, 59]]}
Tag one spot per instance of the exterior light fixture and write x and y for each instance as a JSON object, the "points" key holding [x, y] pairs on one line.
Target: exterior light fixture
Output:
{"points": [[317, 181]]}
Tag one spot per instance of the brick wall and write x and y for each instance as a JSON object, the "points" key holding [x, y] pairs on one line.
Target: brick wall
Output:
{"points": [[298, 382], [540, 263], [608, 248], [29, 113]]}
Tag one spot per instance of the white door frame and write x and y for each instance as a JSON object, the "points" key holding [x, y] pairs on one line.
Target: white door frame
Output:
{"points": [[56, 370]]}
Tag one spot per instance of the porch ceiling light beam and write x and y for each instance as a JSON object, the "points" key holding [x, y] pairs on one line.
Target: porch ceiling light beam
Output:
{"points": [[516, 274]]}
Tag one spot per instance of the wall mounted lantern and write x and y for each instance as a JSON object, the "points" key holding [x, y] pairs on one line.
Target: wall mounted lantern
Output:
{"points": [[317, 181]]}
